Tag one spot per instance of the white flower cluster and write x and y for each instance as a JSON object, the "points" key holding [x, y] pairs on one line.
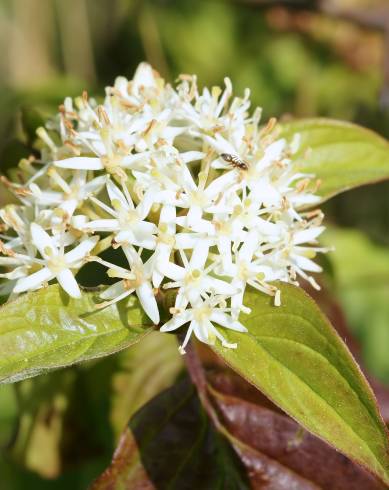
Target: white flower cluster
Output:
{"points": [[185, 182]]}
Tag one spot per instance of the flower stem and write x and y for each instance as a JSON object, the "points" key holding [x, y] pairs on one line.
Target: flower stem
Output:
{"points": [[198, 378]]}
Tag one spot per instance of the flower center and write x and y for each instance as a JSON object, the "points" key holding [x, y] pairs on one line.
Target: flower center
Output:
{"points": [[164, 236], [201, 314], [244, 271], [223, 227], [57, 264], [193, 277], [131, 280], [111, 162], [131, 217], [198, 198]]}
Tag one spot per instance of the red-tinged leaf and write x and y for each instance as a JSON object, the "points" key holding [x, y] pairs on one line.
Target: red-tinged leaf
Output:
{"points": [[170, 443], [126, 470], [282, 440], [268, 474]]}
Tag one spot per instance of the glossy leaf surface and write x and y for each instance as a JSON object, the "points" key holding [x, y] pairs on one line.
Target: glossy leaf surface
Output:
{"points": [[294, 356], [46, 329], [342, 155]]}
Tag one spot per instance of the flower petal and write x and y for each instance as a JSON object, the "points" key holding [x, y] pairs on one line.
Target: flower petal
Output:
{"points": [[227, 321], [113, 291], [143, 77], [307, 235], [273, 152], [305, 263], [177, 321], [218, 286], [68, 283], [42, 240], [199, 255], [102, 225], [115, 194], [148, 301], [172, 271], [191, 156], [94, 185], [80, 163], [33, 281], [69, 206], [201, 330], [81, 250]]}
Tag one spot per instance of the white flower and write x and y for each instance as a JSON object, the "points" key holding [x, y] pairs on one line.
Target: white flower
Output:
{"points": [[128, 223], [18, 219], [137, 279], [144, 83], [56, 263], [165, 242], [245, 270], [194, 280], [199, 199], [20, 266], [110, 163], [71, 195], [187, 184], [201, 318], [292, 255]]}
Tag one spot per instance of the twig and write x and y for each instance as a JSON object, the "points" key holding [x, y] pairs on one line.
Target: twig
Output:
{"points": [[197, 376]]}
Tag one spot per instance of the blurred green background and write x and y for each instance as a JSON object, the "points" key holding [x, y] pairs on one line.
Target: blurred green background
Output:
{"points": [[300, 59]]}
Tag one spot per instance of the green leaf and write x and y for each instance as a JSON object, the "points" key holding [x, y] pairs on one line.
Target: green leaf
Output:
{"points": [[294, 356], [342, 155], [46, 330], [8, 414]]}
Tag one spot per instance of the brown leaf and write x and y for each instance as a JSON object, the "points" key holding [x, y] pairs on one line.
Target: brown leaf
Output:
{"points": [[282, 440], [170, 444], [126, 452], [266, 473]]}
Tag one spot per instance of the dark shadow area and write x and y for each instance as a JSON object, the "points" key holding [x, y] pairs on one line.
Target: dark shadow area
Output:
{"points": [[177, 446]]}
